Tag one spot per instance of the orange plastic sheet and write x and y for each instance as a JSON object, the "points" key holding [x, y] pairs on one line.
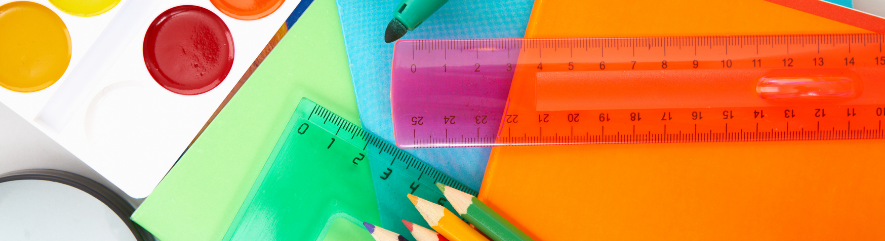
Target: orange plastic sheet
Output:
{"points": [[777, 190]]}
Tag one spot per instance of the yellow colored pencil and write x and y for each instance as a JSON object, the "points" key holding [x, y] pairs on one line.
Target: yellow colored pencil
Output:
{"points": [[482, 216], [444, 221]]}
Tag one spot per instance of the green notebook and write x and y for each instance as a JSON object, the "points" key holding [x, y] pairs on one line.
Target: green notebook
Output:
{"points": [[199, 198]]}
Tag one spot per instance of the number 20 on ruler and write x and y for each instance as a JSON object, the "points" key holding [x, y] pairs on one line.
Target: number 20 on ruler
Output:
{"points": [[702, 88]]}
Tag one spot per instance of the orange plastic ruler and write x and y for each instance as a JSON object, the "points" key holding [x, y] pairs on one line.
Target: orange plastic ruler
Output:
{"points": [[449, 93]]}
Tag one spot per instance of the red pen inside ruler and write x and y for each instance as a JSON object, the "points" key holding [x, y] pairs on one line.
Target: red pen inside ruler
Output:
{"points": [[637, 90]]}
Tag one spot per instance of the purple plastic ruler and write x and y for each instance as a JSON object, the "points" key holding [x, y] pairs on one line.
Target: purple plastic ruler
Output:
{"points": [[449, 93]]}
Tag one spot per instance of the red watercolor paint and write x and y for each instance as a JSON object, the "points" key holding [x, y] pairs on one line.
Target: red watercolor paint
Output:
{"points": [[188, 50]]}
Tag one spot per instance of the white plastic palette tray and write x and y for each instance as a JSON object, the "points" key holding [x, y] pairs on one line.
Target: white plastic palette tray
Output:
{"points": [[108, 109]]}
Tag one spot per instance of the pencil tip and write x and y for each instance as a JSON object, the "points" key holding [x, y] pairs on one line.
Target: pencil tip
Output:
{"points": [[395, 30], [408, 225], [369, 227], [413, 198], [441, 187]]}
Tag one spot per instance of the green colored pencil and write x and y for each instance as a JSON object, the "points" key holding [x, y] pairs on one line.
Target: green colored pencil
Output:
{"points": [[482, 216]]}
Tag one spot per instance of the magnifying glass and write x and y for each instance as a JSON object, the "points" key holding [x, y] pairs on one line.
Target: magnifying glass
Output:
{"points": [[56, 205]]}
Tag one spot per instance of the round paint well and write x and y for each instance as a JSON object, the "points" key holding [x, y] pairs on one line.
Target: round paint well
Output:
{"points": [[84, 8], [35, 47], [247, 9], [188, 50]]}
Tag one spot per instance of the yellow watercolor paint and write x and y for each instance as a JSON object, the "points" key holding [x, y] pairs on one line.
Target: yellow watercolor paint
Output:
{"points": [[35, 47], [84, 8]]}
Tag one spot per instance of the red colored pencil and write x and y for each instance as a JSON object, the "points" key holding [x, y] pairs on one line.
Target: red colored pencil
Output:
{"points": [[422, 233]]}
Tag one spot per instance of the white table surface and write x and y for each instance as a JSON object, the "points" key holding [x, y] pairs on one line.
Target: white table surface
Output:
{"points": [[22, 147]]}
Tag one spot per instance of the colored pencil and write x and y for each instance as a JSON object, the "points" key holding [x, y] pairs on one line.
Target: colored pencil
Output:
{"points": [[444, 221], [381, 234], [482, 216], [423, 234]]}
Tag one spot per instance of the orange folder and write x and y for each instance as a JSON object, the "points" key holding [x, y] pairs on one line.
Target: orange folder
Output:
{"points": [[793, 190]]}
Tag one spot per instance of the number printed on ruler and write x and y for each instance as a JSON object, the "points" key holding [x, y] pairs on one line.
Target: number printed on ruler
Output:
{"points": [[679, 89], [395, 173], [701, 124]]}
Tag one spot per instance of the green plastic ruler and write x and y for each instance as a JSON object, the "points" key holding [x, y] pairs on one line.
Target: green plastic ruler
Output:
{"points": [[304, 188], [323, 168]]}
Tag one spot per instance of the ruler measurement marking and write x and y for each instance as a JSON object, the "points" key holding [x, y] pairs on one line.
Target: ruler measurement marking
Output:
{"points": [[656, 137], [389, 188]]}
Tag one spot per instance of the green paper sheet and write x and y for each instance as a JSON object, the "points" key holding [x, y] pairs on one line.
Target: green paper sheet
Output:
{"points": [[199, 197]]}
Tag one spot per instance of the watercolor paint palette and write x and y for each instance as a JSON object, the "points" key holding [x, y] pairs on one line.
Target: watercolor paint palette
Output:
{"points": [[139, 80], [47, 40]]}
